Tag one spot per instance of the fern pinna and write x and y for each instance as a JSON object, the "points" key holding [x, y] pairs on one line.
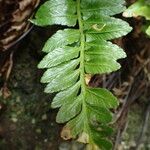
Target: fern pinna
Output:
{"points": [[73, 53]]}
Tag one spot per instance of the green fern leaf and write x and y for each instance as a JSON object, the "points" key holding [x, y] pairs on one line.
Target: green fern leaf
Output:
{"points": [[62, 38], [57, 12], [73, 53]]}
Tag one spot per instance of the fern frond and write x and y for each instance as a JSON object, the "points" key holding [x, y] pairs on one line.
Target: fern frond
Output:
{"points": [[73, 53]]}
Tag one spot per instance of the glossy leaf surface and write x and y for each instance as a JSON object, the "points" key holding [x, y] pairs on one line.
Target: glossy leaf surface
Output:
{"points": [[74, 52]]}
